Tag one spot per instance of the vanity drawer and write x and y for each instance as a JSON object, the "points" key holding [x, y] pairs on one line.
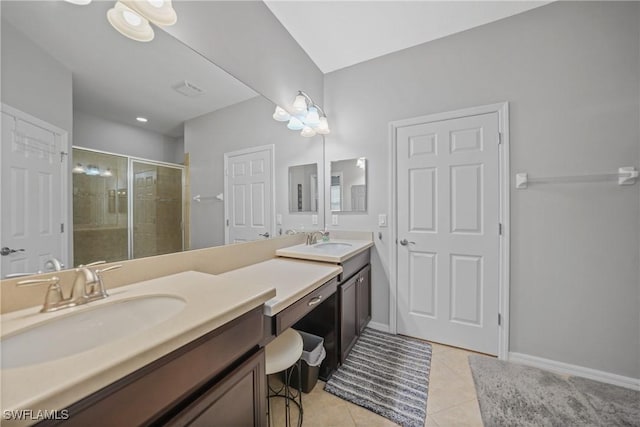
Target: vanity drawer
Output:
{"points": [[300, 308], [353, 265]]}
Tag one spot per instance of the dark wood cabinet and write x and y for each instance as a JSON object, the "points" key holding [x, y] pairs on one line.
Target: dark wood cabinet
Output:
{"points": [[355, 301], [348, 316], [217, 379], [364, 297], [235, 401]]}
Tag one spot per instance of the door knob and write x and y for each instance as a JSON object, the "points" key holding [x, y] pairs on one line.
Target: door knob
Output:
{"points": [[405, 242], [6, 251], [265, 235]]}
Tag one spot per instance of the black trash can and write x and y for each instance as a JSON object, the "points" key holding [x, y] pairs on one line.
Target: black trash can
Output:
{"points": [[313, 353]]}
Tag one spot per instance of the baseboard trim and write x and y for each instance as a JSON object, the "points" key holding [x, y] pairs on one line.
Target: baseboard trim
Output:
{"points": [[378, 326], [579, 371]]}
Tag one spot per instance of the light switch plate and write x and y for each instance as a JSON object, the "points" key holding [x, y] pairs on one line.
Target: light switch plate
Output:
{"points": [[314, 219], [279, 219], [334, 219], [382, 220]]}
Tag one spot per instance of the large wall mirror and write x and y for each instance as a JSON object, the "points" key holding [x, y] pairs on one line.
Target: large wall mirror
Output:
{"points": [[72, 84], [348, 185]]}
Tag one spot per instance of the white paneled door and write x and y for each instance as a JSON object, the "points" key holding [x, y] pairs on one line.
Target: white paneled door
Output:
{"points": [[448, 231], [249, 194], [33, 193]]}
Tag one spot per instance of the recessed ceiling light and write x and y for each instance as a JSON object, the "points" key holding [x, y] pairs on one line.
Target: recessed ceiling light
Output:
{"points": [[142, 119]]}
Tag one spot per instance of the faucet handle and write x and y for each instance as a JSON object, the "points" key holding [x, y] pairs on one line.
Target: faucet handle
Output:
{"points": [[54, 294], [101, 291], [91, 264], [31, 282]]}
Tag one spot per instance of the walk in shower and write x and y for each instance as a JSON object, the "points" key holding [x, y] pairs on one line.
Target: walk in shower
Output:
{"points": [[125, 207]]}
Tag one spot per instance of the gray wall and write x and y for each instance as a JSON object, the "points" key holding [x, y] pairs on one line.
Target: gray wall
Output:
{"points": [[246, 124], [246, 40], [101, 134], [33, 81], [571, 74]]}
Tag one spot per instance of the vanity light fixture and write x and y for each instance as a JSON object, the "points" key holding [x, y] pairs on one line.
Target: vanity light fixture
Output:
{"points": [[160, 12], [79, 2], [306, 116], [107, 173], [142, 119]]}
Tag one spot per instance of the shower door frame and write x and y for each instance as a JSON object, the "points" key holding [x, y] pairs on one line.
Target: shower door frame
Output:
{"points": [[130, 160]]}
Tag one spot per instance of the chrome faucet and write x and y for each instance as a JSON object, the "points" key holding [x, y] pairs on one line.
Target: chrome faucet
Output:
{"points": [[312, 237], [87, 286]]}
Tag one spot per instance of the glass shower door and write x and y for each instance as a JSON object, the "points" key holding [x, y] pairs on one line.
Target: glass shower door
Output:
{"points": [[157, 220]]}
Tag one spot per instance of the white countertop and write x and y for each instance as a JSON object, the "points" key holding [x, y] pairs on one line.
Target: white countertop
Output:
{"points": [[292, 279], [312, 252], [211, 301]]}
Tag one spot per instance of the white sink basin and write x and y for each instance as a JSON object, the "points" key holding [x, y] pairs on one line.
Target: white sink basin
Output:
{"points": [[332, 247], [87, 329]]}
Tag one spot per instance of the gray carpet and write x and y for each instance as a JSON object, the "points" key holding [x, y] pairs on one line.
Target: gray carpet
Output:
{"points": [[515, 395], [388, 375]]}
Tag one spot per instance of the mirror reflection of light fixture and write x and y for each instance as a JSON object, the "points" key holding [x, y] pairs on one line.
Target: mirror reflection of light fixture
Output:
{"points": [[281, 114], [361, 162], [78, 168], [306, 116], [129, 23], [107, 173], [92, 170], [160, 12]]}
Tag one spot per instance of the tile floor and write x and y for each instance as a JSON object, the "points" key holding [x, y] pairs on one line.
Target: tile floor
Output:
{"points": [[452, 398]]}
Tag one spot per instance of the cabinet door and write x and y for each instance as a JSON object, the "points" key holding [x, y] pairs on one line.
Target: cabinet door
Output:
{"points": [[237, 400], [348, 316], [364, 297]]}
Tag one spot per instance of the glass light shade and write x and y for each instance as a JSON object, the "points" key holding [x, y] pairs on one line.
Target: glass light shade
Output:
{"points": [[160, 12], [281, 114], [323, 127], [79, 2], [129, 23], [295, 123], [92, 170], [78, 168], [106, 173], [312, 118], [307, 132], [300, 105]]}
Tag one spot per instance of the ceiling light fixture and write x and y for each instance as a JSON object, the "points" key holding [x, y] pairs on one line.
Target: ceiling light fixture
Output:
{"points": [[307, 116], [142, 119], [132, 18]]}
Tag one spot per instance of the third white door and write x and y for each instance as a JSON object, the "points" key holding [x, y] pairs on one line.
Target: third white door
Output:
{"points": [[448, 231]]}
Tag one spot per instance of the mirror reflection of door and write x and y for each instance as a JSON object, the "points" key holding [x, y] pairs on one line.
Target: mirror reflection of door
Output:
{"points": [[33, 193], [336, 191], [249, 196]]}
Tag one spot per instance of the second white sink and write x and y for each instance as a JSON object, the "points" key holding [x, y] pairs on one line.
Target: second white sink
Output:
{"points": [[78, 332], [332, 247]]}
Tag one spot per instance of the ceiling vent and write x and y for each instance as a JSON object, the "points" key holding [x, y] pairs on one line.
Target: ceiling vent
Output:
{"points": [[188, 89]]}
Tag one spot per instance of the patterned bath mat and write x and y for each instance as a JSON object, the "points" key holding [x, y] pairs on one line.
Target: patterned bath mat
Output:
{"points": [[387, 374]]}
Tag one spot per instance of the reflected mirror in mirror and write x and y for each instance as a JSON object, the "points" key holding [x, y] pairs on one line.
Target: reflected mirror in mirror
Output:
{"points": [[79, 83], [348, 185], [303, 188]]}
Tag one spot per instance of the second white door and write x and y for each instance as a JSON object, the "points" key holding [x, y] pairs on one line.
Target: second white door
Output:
{"points": [[448, 231], [249, 193]]}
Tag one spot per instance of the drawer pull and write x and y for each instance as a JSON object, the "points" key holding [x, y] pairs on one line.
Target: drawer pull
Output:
{"points": [[314, 300]]}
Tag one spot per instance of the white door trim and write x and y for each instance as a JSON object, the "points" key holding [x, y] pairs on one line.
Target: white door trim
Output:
{"points": [[272, 149], [65, 182], [503, 125]]}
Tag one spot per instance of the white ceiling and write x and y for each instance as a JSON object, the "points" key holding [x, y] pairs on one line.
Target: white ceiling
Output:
{"points": [[121, 79], [337, 34]]}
